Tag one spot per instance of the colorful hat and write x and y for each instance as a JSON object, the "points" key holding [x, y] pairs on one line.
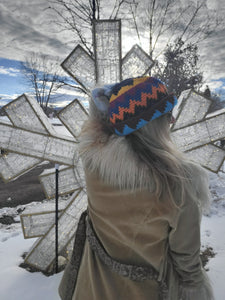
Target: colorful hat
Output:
{"points": [[136, 101]]}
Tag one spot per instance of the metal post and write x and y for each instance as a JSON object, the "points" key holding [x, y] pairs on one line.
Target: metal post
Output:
{"points": [[56, 214], [94, 9]]}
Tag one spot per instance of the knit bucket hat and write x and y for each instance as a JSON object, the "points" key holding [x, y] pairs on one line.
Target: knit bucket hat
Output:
{"points": [[136, 101]]}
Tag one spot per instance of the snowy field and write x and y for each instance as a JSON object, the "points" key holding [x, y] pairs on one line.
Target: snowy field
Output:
{"points": [[18, 284]]}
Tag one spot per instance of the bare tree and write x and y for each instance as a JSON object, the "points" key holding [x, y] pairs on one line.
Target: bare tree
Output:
{"points": [[77, 16], [157, 23], [43, 76], [161, 22]]}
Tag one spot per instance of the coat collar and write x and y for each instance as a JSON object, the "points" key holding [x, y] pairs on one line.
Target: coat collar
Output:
{"points": [[112, 158]]}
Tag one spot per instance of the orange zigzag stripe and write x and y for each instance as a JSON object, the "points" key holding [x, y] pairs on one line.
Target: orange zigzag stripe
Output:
{"points": [[134, 103]]}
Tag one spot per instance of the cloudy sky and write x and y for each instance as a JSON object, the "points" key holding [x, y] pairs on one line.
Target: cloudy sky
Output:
{"points": [[27, 25]]}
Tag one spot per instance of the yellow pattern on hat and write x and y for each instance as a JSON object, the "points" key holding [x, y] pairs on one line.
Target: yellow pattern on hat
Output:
{"points": [[126, 88]]}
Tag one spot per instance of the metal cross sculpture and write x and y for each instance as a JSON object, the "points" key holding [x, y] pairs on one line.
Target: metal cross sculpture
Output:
{"points": [[29, 139]]}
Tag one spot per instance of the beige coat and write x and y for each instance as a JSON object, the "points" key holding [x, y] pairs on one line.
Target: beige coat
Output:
{"points": [[135, 228]]}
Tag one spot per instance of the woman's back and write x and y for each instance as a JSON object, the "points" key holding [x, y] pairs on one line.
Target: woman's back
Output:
{"points": [[144, 201]]}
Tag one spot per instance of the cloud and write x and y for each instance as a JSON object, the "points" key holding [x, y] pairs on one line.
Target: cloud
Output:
{"points": [[63, 103], [212, 56], [26, 27], [213, 85], [6, 98], [215, 4], [9, 71]]}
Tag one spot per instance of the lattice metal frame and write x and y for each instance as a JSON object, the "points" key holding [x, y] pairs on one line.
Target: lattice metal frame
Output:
{"points": [[80, 59], [47, 180], [69, 113], [41, 257], [136, 62], [198, 112], [107, 49], [195, 131], [45, 147], [9, 161], [30, 218], [209, 157], [21, 108]]}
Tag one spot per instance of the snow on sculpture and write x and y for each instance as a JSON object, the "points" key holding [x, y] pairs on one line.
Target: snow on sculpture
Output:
{"points": [[30, 138]]}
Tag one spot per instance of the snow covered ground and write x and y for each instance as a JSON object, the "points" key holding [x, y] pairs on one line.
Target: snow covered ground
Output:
{"points": [[213, 234], [18, 284]]}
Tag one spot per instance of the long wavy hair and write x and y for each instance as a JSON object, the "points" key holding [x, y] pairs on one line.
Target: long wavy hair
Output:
{"points": [[168, 166], [147, 158]]}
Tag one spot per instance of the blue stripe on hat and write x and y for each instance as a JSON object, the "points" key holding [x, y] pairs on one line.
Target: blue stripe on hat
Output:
{"points": [[141, 123], [126, 130], [156, 115], [169, 107]]}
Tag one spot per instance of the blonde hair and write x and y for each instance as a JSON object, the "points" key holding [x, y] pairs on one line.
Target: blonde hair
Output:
{"points": [[146, 158], [168, 166]]}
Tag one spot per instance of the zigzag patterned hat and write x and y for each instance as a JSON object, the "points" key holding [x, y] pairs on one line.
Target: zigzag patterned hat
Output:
{"points": [[136, 101]]}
